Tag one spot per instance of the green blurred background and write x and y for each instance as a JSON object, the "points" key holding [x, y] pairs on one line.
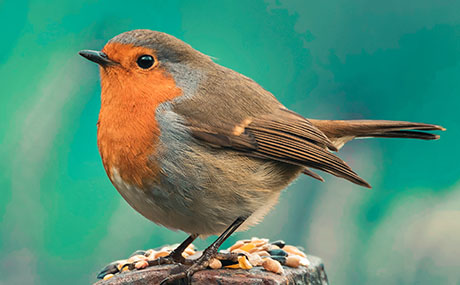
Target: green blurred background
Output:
{"points": [[62, 220]]}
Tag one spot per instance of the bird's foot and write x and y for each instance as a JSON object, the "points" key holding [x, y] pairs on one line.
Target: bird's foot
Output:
{"points": [[211, 252], [172, 258], [187, 273], [201, 263]]}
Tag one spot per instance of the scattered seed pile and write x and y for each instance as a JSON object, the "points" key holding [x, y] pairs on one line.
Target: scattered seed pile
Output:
{"points": [[251, 252]]}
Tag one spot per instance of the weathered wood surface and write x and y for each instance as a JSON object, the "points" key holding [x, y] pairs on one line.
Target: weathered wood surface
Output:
{"points": [[314, 274]]}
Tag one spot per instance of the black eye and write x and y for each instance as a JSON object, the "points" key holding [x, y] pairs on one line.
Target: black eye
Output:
{"points": [[145, 61]]}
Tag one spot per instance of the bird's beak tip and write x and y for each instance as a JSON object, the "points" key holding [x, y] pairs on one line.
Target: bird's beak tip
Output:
{"points": [[98, 57]]}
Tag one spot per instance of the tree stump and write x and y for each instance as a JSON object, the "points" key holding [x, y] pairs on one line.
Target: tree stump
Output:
{"points": [[314, 274]]}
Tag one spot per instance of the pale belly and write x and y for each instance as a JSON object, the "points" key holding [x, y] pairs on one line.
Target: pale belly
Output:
{"points": [[207, 194]]}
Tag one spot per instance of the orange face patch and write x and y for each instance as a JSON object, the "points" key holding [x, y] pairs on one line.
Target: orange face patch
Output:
{"points": [[127, 128]]}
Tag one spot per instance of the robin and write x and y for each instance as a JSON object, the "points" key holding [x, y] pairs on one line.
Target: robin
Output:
{"points": [[197, 147]]}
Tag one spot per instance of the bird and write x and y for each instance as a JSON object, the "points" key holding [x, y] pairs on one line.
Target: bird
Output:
{"points": [[197, 147]]}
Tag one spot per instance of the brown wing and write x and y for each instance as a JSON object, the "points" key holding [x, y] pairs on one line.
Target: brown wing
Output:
{"points": [[283, 136]]}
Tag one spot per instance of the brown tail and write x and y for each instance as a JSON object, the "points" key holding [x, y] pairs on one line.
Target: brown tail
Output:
{"points": [[340, 132]]}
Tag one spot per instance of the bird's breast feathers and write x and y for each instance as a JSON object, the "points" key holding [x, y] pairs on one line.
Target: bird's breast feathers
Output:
{"points": [[128, 130]]}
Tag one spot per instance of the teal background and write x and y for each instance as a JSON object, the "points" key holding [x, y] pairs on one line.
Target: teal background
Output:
{"points": [[62, 220]]}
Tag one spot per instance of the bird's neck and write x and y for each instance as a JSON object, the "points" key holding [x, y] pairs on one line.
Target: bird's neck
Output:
{"points": [[128, 132]]}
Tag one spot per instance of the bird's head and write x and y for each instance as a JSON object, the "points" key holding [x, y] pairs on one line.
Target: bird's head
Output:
{"points": [[143, 63]]}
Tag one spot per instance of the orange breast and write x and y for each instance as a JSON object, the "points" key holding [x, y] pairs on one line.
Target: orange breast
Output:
{"points": [[127, 130]]}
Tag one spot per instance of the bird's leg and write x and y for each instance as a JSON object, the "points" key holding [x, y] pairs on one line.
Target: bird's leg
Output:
{"points": [[176, 254], [174, 257], [203, 261]]}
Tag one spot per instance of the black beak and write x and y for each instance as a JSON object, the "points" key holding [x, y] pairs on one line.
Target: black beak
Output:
{"points": [[98, 57]]}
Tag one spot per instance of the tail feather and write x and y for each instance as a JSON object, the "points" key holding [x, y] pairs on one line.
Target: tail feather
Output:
{"points": [[340, 132], [404, 134]]}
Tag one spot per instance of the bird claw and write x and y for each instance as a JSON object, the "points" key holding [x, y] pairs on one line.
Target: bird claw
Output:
{"points": [[198, 265], [164, 260]]}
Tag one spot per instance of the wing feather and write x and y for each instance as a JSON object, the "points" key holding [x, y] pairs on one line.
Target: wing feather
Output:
{"points": [[282, 136]]}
